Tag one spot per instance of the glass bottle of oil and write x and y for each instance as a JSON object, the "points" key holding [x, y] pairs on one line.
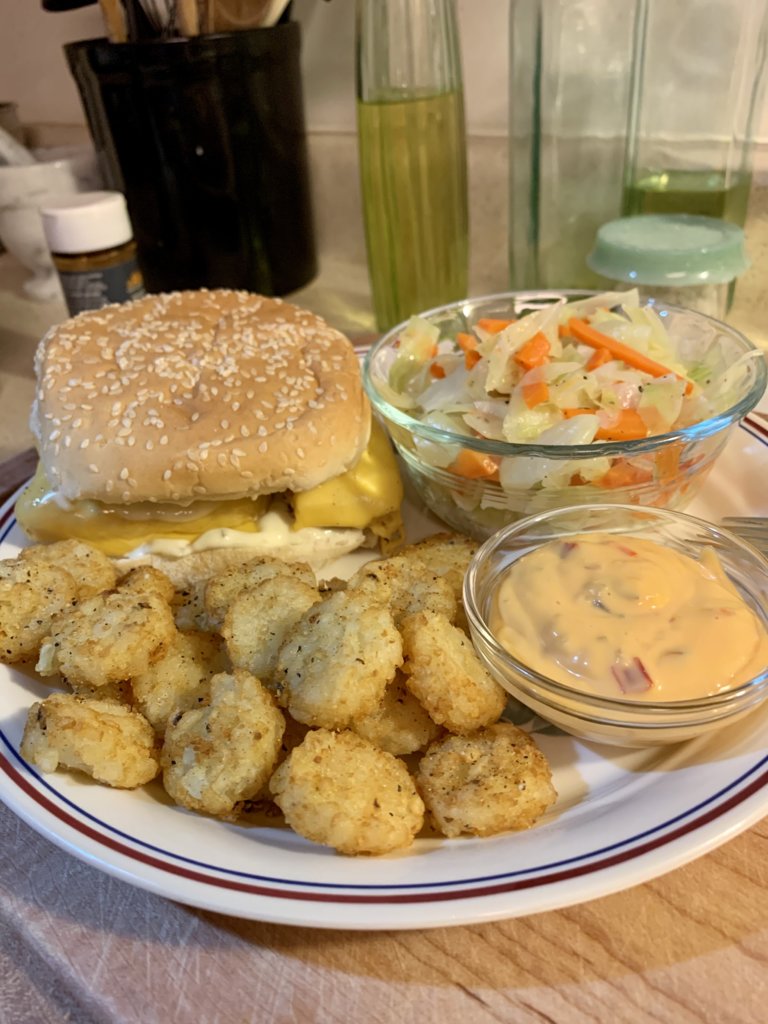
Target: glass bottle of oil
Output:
{"points": [[694, 107], [617, 109], [410, 113]]}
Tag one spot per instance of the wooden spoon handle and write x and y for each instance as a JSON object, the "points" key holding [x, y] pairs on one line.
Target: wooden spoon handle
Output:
{"points": [[187, 18], [114, 20]]}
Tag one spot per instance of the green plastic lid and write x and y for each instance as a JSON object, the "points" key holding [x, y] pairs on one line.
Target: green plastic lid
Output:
{"points": [[669, 249]]}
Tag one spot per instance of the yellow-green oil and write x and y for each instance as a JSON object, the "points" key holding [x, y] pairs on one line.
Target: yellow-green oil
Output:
{"points": [[708, 193], [414, 185]]}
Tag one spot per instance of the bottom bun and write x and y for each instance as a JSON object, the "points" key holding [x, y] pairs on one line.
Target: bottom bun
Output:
{"points": [[315, 547]]}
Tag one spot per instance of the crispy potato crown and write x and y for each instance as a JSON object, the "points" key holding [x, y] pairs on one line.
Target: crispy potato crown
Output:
{"points": [[357, 708]]}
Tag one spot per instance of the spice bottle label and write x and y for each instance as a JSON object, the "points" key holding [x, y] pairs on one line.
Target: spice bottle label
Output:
{"points": [[92, 289]]}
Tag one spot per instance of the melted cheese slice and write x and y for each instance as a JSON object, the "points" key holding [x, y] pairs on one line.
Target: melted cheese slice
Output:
{"points": [[369, 490], [367, 494]]}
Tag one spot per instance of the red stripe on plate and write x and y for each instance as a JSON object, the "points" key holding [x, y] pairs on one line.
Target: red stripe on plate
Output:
{"points": [[7, 514], [551, 878], [753, 422]]}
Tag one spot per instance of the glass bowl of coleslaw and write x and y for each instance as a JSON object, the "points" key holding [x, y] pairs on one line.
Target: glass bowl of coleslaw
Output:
{"points": [[512, 404], [623, 625]]}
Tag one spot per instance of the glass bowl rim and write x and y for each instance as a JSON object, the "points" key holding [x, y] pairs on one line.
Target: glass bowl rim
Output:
{"points": [[696, 432], [666, 709]]}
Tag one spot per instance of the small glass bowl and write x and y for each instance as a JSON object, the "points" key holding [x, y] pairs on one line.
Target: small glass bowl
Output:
{"points": [[619, 721], [664, 471]]}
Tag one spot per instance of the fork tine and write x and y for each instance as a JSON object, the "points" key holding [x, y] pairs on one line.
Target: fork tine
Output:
{"points": [[753, 529]]}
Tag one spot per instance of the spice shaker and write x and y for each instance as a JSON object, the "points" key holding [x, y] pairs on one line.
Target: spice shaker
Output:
{"points": [[92, 247], [682, 259]]}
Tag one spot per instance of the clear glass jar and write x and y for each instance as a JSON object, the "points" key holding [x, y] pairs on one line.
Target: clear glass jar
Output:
{"points": [[679, 259], [698, 75], [644, 106], [410, 113]]}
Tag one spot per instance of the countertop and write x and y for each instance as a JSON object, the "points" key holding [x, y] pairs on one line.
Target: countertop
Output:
{"points": [[79, 946]]}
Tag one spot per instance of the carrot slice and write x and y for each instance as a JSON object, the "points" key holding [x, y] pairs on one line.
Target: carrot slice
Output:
{"points": [[471, 356], [600, 357], [475, 465], [629, 425], [624, 474], [588, 335], [535, 352], [437, 370], [570, 413], [535, 393], [492, 325], [466, 342], [668, 462]]}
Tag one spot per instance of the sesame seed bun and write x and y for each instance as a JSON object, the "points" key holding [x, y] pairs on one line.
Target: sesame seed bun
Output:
{"points": [[199, 394]]}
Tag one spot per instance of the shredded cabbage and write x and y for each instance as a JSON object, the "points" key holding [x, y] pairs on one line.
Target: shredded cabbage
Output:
{"points": [[548, 379]]}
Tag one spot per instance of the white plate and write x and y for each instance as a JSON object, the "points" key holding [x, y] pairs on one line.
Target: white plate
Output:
{"points": [[622, 817]]}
